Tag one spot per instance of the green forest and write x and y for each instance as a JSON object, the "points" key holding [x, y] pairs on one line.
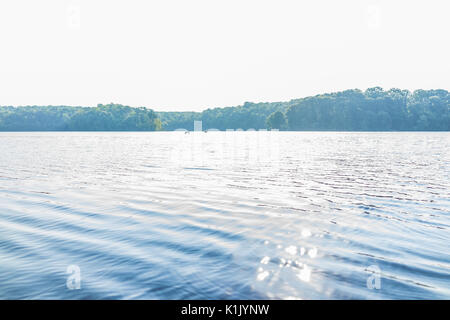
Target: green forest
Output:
{"points": [[352, 110], [111, 117]]}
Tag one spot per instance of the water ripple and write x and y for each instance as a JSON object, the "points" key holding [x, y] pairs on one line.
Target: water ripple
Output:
{"points": [[213, 216]]}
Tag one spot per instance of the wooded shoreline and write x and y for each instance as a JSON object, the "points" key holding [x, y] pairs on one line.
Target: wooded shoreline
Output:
{"points": [[352, 110]]}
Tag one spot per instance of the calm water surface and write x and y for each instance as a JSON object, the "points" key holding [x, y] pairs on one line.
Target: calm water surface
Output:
{"points": [[225, 215]]}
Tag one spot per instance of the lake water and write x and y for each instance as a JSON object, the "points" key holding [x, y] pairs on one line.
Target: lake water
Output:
{"points": [[225, 215]]}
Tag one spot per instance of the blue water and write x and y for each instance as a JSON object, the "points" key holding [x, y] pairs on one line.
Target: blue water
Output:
{"points": [[225, 215]]}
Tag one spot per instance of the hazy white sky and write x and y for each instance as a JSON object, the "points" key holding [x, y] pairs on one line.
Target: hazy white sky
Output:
{"points": [[194, 54]]}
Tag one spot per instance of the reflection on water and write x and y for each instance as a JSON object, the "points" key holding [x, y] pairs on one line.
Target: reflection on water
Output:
{"points": [[224, 215]]}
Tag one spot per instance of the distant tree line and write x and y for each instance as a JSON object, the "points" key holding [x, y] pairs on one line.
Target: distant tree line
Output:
{"points": [[372, 110], [248, 116], [110, 117], [350, 110]]}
